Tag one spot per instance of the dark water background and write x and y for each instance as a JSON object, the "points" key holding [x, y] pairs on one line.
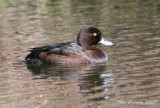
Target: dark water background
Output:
{"points": [[131, 79]]}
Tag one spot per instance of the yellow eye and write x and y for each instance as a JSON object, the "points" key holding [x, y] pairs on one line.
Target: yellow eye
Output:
{"points": [[94, 34]]}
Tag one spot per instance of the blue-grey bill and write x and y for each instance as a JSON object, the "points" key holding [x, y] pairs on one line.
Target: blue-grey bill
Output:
{"points": [[106, 42]]}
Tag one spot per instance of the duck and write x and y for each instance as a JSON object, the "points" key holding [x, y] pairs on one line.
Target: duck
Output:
{"points": [[84, 51]]}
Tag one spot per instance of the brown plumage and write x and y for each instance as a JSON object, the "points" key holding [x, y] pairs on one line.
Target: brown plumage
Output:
{"points": [[84, 51]]}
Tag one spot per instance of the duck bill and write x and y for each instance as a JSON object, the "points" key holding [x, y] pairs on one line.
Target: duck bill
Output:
{"points": [[106, 42]]}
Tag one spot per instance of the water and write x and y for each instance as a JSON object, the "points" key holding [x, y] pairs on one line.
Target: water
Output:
{"points": [[131, 79]]}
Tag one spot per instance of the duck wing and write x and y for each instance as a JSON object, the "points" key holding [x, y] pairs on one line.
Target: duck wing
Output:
{"points": [[67, 49]]}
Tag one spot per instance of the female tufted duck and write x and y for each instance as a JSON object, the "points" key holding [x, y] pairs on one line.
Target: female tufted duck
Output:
{"points": [[84, 51]]}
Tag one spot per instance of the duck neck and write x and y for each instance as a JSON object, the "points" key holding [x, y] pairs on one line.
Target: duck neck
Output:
{"points": [[90, 47]]}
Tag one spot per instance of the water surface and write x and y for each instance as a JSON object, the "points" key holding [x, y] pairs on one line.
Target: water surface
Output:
{"points": [[131, 79]]}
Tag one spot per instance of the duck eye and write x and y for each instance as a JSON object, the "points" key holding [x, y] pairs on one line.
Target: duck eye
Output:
{"points": [[94, 34]]}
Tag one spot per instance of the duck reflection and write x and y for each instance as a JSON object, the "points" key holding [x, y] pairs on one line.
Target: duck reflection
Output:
{"points": [[88, 77]]}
